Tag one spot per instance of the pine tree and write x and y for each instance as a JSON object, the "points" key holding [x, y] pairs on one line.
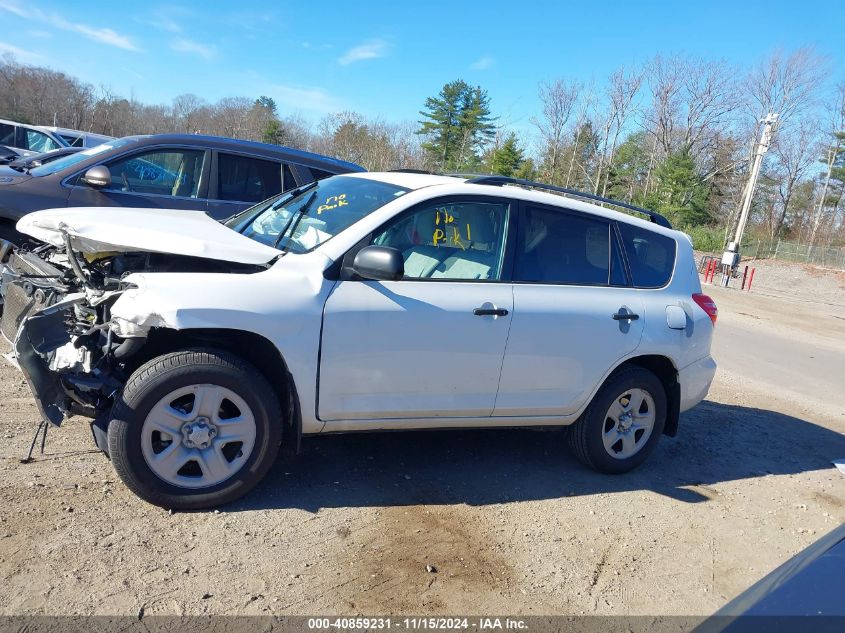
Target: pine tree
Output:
{"points": [[508, 158], [680, 193], [527, 170], [627, 172], [457, 125], [273, 133]]}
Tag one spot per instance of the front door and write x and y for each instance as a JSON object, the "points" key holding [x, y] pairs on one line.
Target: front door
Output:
{"points": [[574, 318], [429, 345]]}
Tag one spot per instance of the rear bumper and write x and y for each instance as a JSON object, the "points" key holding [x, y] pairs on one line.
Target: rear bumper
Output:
{"points": [[695, 381]]}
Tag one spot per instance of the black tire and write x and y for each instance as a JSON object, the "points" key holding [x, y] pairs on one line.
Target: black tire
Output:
{"points": [[153, 381], [585, 435]]}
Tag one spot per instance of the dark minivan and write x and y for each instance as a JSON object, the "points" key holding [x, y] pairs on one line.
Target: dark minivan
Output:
{"points": [[219, 176]]}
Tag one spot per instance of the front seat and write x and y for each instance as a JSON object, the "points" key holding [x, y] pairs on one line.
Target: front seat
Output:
{"points": [[423, 258], [183, 187], [478, 257]]}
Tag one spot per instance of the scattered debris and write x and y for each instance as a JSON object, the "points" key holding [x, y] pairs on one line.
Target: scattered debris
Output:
{"points": [[431, 569]]}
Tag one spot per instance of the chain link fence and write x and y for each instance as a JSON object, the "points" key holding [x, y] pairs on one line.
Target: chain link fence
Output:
{"points": [[805, 254], [795, 252]]}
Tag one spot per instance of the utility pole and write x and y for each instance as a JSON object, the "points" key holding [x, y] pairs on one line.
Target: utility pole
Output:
{"points": [[762, 148]]}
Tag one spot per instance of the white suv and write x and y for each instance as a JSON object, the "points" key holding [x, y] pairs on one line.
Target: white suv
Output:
{"points": [[364, 301]]}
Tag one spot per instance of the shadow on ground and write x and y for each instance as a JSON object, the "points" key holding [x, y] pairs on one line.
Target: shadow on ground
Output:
{"points": [[716, 443]]}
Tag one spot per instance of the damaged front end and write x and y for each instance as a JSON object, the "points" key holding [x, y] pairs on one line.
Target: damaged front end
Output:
{"points": [[56, 312], [56, 315]]}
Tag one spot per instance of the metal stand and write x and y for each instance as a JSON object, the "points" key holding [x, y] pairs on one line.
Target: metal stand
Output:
{"points": [[42, 429]]}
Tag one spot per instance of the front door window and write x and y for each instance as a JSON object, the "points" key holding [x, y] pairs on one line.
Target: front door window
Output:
{"points": [[456, 240], [164, 172]]}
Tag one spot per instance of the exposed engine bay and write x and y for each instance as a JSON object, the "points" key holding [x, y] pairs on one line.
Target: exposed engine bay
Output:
{"points": [[56, 311]]}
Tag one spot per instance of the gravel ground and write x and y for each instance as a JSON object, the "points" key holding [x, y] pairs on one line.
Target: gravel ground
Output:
{"points": [[508, 520], [794, 281]]}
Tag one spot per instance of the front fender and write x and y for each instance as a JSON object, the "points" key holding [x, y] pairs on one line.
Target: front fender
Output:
{"points": [[285, 307]]}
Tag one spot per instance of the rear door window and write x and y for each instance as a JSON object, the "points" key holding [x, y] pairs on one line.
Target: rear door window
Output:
{"points": [[246, 179], [7, 134], [651, 256], [563, 248], [36, 141]]}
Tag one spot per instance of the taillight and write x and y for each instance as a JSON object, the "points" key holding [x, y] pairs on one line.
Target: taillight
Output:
{"points": [[707, 304]]}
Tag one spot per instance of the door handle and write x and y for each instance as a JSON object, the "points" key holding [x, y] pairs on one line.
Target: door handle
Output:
{"points": [[490, 312], [625, 316]]}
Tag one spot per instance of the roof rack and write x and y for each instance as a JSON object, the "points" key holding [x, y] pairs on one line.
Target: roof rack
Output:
{"points": [[498, 181], [408, 170]]}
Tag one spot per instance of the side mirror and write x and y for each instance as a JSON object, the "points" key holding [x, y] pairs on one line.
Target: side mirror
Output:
{"points": [[97, 177], [382, 263]]}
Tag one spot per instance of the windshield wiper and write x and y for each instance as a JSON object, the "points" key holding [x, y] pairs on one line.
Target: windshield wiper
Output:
{"points": [[293, 193], [303, 211], [240, 217]]}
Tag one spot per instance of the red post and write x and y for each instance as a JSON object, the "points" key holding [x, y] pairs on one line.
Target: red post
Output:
{"points": [[744, 275], [713, 270], [709, 270], [750, 279]]}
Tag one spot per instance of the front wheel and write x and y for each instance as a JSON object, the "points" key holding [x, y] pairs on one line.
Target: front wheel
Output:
{"points": [[194, 429], [622, 424]]}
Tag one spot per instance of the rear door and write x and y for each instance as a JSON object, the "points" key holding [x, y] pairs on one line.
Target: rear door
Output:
{"points": [[575, 315], [159, 177], [238, 181]]}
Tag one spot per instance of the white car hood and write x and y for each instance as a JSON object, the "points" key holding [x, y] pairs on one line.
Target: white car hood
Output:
{"points": [[108, 229]]}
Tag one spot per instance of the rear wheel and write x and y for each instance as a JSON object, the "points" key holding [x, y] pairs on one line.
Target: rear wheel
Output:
{"points": [[622, 424], [194, 429]]}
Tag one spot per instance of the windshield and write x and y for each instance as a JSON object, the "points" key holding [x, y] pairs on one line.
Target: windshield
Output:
{"points": [[306, 217], [72, 159]]}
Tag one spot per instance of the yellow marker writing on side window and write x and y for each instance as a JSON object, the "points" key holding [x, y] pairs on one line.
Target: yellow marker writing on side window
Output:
{"points": [[438, 236], [447, 217]]}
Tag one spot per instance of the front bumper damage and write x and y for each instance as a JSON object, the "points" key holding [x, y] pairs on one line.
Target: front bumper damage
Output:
{"points": [[62, 343], [39, 335]]}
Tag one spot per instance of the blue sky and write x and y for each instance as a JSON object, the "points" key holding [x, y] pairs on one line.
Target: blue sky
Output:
{"points": [[384, 58]]}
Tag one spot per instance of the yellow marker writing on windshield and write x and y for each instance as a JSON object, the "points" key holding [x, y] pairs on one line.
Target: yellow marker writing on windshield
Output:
{"points": [[333, 202]]}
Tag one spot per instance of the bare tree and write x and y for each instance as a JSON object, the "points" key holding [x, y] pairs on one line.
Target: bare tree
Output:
{"points": [[187, 110], [621, 92], [795, 153], [558, 99], [690, 100], [833, 151], [786, 84], [665, 80]]}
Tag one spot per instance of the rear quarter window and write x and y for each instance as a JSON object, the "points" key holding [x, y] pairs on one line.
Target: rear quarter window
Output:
{"points": [[651, 256]]}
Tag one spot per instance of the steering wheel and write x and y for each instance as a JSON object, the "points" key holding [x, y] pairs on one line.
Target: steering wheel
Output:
{"points": [[126, 186]]}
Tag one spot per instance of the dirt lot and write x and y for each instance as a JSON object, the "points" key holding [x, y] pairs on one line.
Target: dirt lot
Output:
{"points": [[511, 522]]}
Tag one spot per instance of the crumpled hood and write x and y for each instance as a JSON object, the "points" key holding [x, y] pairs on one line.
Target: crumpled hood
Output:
{"points": [[108, 229]]}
